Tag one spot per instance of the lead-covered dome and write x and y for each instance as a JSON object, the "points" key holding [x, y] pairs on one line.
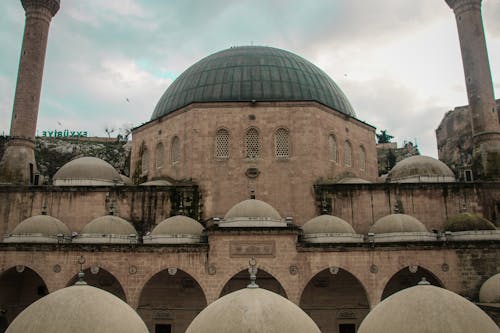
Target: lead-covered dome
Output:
{"points": [[248, 73], [252, 310], [397, 223], [176, 230], [252, 213], [81, 309], [87, 171], [329, 229], [420, 169], [426, 308], [39, 229], [490, 290], [107, 229]]}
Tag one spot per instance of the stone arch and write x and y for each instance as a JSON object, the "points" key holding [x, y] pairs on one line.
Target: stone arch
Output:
{"points": [[20, 286], [101, 278], [175, 150], [241, 278], [159, 155], [335, 299], [405, 278], [171, 297]]}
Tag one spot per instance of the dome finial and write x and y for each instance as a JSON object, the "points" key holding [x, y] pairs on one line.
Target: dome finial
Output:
{"points": [[253, 273], [252, 194], [44, 207], [81, 274], [424, 282]]}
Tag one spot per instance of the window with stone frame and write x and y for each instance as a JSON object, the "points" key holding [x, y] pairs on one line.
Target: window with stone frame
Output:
{"points": [[160, 155], [347, 154], [332, 148], [282, 143], [362, 158], [145, 161], [175, 151], [222, 143], [252, 144]]}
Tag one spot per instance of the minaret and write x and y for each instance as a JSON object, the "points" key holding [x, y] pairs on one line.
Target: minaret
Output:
{"points": [[18, 164], [484, 117]]}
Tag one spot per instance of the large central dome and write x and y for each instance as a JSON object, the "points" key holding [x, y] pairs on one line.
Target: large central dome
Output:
{"points": [[249, 73]]}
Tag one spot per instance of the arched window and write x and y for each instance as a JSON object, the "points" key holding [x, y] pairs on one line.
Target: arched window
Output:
{"points": [[222, 143], [145, 161], [362, 158], [160, 155], [282, 143], [332, 148], [175, 151], [347, 154], [252, 143]]}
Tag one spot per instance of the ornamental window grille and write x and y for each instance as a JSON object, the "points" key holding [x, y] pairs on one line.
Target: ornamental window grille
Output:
{"points": [[160, 155], [362, 158], [252, 143], [282, 143], [222, 143], [347, 154], [332, 148], [175, 152], [145, 161]]}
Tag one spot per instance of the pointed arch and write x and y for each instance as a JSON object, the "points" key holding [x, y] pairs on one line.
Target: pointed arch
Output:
{"points": [[241, 280], [101, 278], [334, 298], [252, 143], [347, 154], [409, 277], [171, 297], [222, 143]]}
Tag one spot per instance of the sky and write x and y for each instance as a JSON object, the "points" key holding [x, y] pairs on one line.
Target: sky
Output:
{"points": [[109, 61]]}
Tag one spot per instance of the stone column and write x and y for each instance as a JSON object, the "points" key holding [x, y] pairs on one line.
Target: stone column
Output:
{"points": [[18, 163], [484, 117]]}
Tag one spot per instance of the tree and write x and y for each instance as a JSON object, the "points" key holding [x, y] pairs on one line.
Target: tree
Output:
{"points": [[384, 137], [109, 130]]}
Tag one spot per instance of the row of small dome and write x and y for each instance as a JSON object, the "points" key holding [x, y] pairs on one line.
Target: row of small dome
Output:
{"points": [[92, 171], [249, 213], [422, 308]]}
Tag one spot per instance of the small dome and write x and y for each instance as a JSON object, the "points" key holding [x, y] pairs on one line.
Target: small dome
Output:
{"points": [[490, 290], [126, 180], [158, 182], [176, 230], [397, 223], [327, 224], [466, 222], [87, 171], [417, 169], [329, 229], [353, 180], [426, 308], [252, 311], [38, 229], [252, 213], [107, 229], [82, 309]]}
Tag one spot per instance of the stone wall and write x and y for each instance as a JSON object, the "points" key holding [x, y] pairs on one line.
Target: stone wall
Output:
{"points": [[285, 183]]}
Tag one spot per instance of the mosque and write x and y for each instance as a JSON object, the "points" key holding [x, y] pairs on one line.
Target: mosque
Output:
{"points": [[253, 205]]}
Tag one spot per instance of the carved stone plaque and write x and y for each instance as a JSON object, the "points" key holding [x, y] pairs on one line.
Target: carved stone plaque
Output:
{"points": [[239, 249]]}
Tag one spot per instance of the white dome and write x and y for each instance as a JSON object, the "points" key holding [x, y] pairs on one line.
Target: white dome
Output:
{"points": [[416, 169], [252, 213], [78, 309], [252, 311], [490, 290], [176, 230], [329, 229], [397, 223], [87, 171], [107, 229], [429, 309], [39, 229]]}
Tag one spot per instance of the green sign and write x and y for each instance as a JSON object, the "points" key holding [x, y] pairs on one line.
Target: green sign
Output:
{"points": [[65, 134]]}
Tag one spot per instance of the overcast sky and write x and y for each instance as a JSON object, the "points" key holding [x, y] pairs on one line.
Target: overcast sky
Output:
{"points": [[109, 61]]}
